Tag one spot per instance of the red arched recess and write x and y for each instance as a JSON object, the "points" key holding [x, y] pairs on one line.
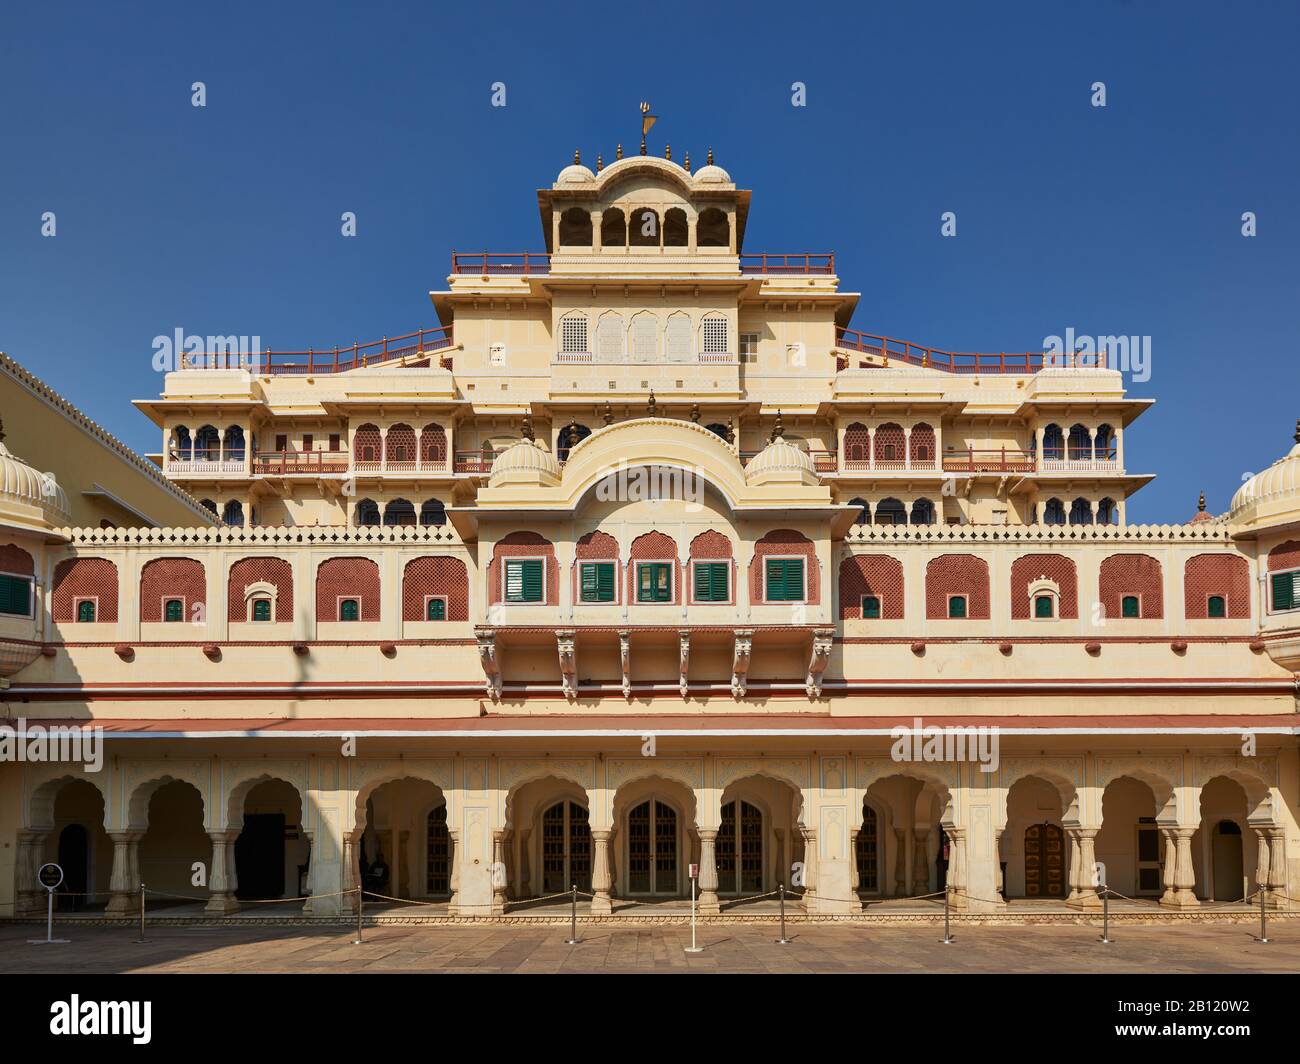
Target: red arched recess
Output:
{"points": [[436, 576], [710, 545], [957, 574], [14, 559], [169, 578], [347, 578], [1284, 556], [433, 447], [399, 447], [596, 545], [523, 545], [888, 447], [83, 578], [785, 541], [920, 445], [367, 445], [1132, 574], [653, 547], [857, 446], [1216, 574], [274, 571], [1055, 567], [871, 574]]}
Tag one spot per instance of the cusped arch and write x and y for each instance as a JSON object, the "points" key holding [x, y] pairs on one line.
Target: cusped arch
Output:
{"points": [[244, 778], [40, 805], [515, 775], [137, 806], [369, 777], [1067, 789]]}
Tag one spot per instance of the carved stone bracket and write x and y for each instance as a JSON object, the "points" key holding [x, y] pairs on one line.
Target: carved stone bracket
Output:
{"points": [[740, 661], [823, 640], [625, 662], [565, 641], [487, 654], [684, 656]]}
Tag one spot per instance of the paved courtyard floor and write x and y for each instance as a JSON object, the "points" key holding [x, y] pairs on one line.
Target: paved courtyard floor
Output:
{"points": [[1227, 947]]}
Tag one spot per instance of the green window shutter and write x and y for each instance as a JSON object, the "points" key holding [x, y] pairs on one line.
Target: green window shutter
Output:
{"points": [[15, 596], [261, 609], [1043, 606], [871, 607], [349, 610], [436, 610], [86, 612], [957, 606], [1130, 606], [597, 582], [784, 580], [1216, 606], [174, 610], [711, 581], [654, 582], [524, 580], [1286, 590]]}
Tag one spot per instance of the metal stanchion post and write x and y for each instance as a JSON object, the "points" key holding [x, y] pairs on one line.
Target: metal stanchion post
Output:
{"points": [[693, 948], [572, 940], [1263, 915], [361, 902], [1105, 915], [142, 938], [782, 941], [947, 927]]}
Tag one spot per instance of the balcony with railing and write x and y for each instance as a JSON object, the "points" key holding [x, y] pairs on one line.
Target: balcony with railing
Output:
{"points": [[536, 263], [410, 346], [801, 263], [891, 352], [182, 464], [700, 358], [995, 460], [300, 463]]}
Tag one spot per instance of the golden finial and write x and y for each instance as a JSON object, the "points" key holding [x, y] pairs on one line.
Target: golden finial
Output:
{"points": [[647, 121], [573, 433], [1200, 506], [2, 430], [528, 426], [695, 413], [668, 152], [577, 157], [687, 164], [709, 161], [652, 409], [600, 163], [779, 428], [731, 430], [608, 415], [1296, 437], [619, 153]]}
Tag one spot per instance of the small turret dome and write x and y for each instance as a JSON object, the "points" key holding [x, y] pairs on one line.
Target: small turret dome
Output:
{"points": [[29, 497], [1271, 497], [525, 462], [712, 175], [780, 461]]}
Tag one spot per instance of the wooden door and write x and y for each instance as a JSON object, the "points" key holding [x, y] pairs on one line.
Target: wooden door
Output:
{"points": [[1044, 861]]}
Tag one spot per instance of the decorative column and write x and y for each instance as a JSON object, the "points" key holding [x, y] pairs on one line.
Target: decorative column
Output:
{"points": [[708, 871], [907, 448], [499, 880], [809, 866], [121, 899], [453, 903], [920, 869], [997, 861], [957, 867], [222, 901], [1086, 886], [601, 904], [1184, 874], [900, 863], [855, 878], [25, 865], [1169, 868], [1276, 867]]}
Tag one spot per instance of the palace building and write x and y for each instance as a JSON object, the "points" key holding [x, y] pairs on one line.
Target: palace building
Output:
{"points": [[637, 560]]}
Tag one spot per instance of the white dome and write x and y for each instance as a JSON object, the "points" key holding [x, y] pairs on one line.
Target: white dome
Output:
{"points": [[22, 485], [712, 175], [575, 174], [526, 460], [780, 460], [1271, 496]]}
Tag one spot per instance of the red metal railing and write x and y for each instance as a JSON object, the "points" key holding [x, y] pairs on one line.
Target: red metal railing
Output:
{"points": [[335, 360], [994, 461], [891, 350], [802, 262], [300, 462], [473, 462], [500, 262]]}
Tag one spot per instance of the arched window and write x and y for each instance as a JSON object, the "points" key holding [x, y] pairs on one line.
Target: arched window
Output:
{"points": [[1079, 444], [399, 448], [739, 849], [864, 512], [676, 231], [366, 446], [233, 513], [718, 430], [1107, 512], [575, 228], [435, 609], [433, 447], [677, 338], [1104, 443], [857, 446], [652, 848], [207, 444], [923, 512], [437, 853], [86, 611], [715, 335], [234, 446], [260, 610], [891, 512], [566, 848], [209, 504], [613, 228], [1053, 442], [1044, 606], [573, 334], [570, 436], [184, 445], [1054, 512], [921, 443], [349, 610], [645, 339], [399, 512], [173, 610], [367, 512], [433, 512], [868, 852], [609, 338], [644, 231], [1080, 512], [888, 446], [713, 230]]}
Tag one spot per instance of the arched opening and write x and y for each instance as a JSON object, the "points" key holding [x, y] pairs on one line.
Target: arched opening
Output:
{"points": [[888, 445], [922, 512], [653, 849], [912, 850], [73, 810], [864, 512], [399, 448], [233, 513], [890, 512], [857, 447], [234, 446], [403, 847], [1053, 442], [550, 845], [719, 430], [713, 230], [207, 444], [209, 505], [183, 446], [433, 447], [644, 232], [366, 447], [367, 512], [575, 228], [569, 437], [1103, 444], [433, 512], [1130, 846], [1107, 512], [759, 820], [272, 854], [676, 228], [643, 338], [565, 848], [610, 332], [868, 851], [399, 512], [1033, 842], [1080, 512], [1054, 512], [1078, 444], [922, 446], [613, 228], [174, 841], [1225, 866]]}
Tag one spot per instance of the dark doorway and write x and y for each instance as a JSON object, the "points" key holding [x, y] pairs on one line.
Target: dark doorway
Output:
{"points": [[259, 856], [1044, 861], [74, 859]]}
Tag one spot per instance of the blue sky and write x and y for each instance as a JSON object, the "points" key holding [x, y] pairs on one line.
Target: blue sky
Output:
{"points": [[1117, 220]]}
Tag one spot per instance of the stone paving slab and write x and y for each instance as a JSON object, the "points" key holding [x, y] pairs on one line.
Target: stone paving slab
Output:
{"points": [[604, 949]]}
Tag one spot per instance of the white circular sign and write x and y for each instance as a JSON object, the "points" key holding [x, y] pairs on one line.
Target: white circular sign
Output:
{"points": [[49, 876]]}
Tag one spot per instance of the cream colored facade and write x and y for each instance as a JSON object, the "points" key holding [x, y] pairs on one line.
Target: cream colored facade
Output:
{"points": [[635, 562]]}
